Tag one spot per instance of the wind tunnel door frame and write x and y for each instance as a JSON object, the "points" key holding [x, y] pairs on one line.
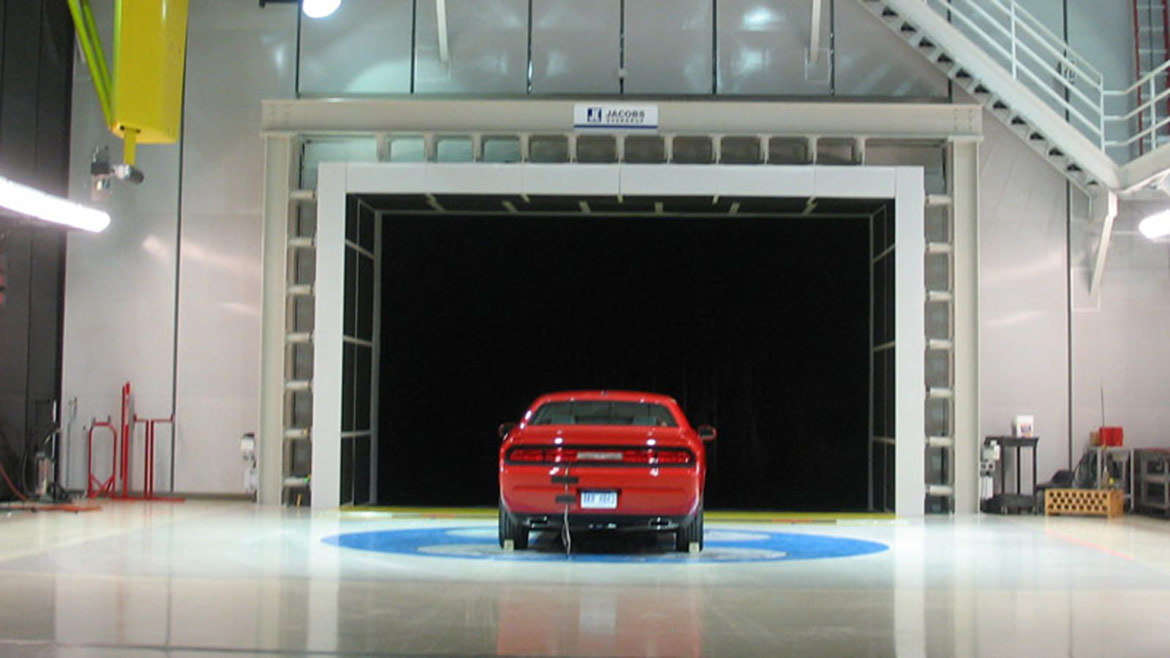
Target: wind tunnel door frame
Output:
{"points": [[904, 186]]}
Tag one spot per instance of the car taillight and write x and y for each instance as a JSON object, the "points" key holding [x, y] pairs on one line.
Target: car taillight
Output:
{"points": [[673, 457], [527, 455], [626, 456]]}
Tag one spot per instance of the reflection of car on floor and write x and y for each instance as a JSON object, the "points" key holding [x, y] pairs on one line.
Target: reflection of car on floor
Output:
{"points": [[605, 460]]}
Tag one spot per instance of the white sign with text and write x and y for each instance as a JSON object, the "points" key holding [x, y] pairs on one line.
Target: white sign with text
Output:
{"points": [[615, 115]]}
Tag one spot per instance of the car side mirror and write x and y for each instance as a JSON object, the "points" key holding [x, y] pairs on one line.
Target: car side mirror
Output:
{"points": [[707, 433], [505, 428]]}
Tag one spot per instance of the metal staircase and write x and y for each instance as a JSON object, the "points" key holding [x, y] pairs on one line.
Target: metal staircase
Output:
{"points": [[1151, 41], [1104, 142], [1033, 82]]}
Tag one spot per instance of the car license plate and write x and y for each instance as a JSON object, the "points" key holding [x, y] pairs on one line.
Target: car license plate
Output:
{"points": [[598, 500], [599, 456]]}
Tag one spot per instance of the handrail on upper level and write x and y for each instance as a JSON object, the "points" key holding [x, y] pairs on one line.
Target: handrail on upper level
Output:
{"points": [[1153, 127], [1019, 19], [1114, 120], [1034, 56]]}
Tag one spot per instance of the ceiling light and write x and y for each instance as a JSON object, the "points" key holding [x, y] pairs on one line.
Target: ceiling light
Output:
{"points": [[760, 18], [35, 203], [319, 8], [1156, 225]]}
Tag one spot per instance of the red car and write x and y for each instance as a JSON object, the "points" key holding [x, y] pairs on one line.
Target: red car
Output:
{"points": [[604, 460]]}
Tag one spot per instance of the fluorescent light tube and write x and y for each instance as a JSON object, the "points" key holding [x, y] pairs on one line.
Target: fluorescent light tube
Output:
{"points": [[320, 8], [1156, 225], [35, 203]]}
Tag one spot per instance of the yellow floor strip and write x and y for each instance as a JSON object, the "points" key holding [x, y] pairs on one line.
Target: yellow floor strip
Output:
{"points": [[712, 515]]}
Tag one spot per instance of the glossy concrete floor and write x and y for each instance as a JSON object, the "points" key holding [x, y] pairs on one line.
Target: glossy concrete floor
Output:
{"points": [[200, 579]]}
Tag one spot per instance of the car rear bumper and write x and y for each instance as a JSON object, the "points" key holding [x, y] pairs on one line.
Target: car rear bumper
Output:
{"points": [[602, 522], [646, 497]]}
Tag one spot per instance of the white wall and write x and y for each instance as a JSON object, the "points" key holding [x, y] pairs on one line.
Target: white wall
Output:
{"points": [[122, 286], [1023, 316], [237, 55], [871, 61], [1120, 344], [379, 29]]}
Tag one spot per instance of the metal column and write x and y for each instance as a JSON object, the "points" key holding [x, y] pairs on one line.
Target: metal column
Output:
{"points": [[278, 175], [964, 186]]}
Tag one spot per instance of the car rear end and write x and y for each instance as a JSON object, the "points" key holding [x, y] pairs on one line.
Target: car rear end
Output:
{"points": [[602, 477]]}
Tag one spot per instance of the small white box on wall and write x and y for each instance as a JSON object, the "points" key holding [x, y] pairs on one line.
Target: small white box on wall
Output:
{"points": [[1024, 427]]}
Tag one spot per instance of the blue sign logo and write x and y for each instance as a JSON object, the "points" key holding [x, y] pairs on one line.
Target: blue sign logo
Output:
{"points": [[593, 115]]}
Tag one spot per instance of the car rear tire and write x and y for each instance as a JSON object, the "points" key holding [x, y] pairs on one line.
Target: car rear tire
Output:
{"points": [[509, 529], [692, 532]]}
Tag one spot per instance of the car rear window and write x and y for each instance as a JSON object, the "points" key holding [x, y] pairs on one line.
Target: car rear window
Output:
{"points": [[598, 412]]}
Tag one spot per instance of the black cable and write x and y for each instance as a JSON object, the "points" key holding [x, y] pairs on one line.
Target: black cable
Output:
{"points": [[566, 534], [12, 487], [528, 69], [297, 63], [622, 48], [714, 47], [833, 50], [22, 469], [413, 44], [1085, 473], [4, 475]]}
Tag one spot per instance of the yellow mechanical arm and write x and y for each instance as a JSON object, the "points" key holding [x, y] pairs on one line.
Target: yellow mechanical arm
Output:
{"points": [[143, 100]]}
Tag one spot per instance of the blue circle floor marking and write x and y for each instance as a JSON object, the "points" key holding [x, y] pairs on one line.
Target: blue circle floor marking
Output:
{"points": [[720, 546]]}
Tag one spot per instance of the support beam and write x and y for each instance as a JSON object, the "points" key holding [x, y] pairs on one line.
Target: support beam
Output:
{"points": [[1146, 170], [814, 37], [964, 193], [909, 360], [430, 116], [1102, 207], [328, 334], [441, 21], [279, 172]]}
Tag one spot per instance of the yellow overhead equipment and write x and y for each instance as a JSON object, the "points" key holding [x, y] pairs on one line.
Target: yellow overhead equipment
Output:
{"points": [[150, 41], [143, 99]]}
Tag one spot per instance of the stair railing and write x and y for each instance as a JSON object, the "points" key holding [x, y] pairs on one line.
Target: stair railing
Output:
{"points": [[1144, 126], [1035, 56]]}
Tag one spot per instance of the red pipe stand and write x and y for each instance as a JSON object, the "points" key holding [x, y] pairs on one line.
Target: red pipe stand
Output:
{"points": [[126, 440], [97, 487], [120, 469], [148, 455]]}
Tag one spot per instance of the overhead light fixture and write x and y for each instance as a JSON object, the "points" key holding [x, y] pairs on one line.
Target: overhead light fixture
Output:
{"points": [[35, 203], [319, 8], [1156, 225]]}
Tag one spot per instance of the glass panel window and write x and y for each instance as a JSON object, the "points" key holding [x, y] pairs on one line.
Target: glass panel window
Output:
{"points": [[592, 412]]}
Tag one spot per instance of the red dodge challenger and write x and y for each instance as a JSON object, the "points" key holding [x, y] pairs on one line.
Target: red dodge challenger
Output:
{"points": [[603, 460]]}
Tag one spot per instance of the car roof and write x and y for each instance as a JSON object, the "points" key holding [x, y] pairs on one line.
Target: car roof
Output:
{"points": [[616, 396]]}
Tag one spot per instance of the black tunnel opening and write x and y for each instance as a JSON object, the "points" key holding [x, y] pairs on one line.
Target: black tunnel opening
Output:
{"points": [[757, 322]]}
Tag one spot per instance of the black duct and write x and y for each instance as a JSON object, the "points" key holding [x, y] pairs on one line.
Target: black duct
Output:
{"points": [[36, 75]]}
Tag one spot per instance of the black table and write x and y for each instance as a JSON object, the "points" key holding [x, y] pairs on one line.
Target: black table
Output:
{"points": [[1006, 502]]}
